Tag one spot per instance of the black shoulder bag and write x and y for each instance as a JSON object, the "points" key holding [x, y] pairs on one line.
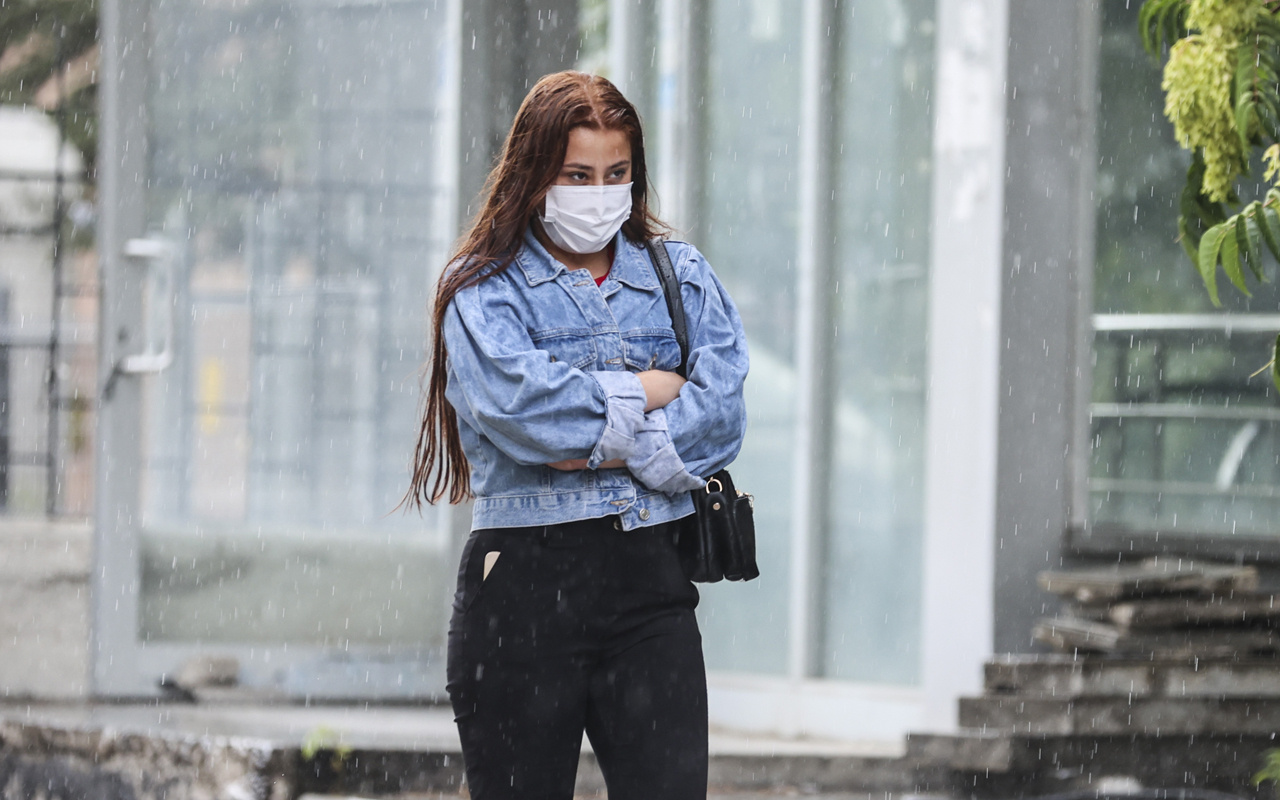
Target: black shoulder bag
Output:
{"points": [[719, 539]]}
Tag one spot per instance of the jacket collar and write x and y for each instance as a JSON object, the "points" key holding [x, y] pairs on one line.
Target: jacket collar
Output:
{"points": [[631, 263]]}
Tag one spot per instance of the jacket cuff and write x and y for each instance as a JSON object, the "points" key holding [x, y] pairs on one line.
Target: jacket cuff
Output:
{"points": [[624, 400], [654, 461]]}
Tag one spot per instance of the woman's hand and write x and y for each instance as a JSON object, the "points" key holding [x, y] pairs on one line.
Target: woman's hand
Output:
{"points": [[660, 387], [581, 463]]}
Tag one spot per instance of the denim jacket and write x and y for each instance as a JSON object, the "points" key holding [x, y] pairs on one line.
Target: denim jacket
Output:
{"points": [[542, 367]]}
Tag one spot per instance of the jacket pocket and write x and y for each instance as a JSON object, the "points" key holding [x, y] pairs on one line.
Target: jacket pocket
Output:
{"points": [[651, 349], [575, 348]]}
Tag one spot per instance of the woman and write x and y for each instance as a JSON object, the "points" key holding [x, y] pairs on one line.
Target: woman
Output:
{"points": [[553, 401]]}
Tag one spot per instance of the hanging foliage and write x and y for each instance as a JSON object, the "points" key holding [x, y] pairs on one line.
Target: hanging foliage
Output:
{"points": [[49, 60], [1222, 95]]}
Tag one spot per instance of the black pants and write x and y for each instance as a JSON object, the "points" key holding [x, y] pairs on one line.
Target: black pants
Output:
{"points": [[578, 627]]}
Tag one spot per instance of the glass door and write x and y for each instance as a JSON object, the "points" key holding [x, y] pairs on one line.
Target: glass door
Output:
{"points": [[278, 197]]}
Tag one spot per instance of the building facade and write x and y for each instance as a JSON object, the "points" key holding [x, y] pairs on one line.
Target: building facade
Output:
{"points": [[976, 349]]}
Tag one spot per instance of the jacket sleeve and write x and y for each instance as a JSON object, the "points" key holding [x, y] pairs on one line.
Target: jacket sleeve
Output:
{"points": [[704, 426], [535, 410]]}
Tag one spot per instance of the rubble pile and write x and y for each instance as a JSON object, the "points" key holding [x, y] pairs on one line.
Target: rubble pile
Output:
{"points": [[1162, 608]]}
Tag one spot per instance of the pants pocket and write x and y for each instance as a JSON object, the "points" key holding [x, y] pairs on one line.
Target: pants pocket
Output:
{"points": [[482, 562]]}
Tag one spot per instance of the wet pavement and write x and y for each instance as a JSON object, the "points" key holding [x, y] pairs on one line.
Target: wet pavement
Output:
{"points": [[411, 747]]}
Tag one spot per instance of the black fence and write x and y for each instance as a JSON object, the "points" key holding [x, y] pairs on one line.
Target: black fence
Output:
{"points": [[48, 335]]}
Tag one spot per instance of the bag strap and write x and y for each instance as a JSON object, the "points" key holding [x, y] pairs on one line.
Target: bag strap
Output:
{"points": [[675, 303]]}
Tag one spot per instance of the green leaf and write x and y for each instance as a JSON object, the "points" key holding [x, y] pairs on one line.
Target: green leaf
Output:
{"points": [[1268, 26], [1149, 32], [1246, 113], [1243, 94], [1269, 224], [1231, 254], [1268, 121], [1253, 238], [1253, 91], [1275, 378], [1210, 212], [1162, 22], [1185, 239], [1207, 258], [1197, 212]]}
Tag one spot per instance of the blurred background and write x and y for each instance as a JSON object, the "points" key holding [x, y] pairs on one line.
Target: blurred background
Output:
{"points": [[949, 225]]}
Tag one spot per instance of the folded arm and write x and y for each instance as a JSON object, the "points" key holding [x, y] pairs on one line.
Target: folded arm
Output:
{"points": [[701, 429], [707, 422], [535, 410]]}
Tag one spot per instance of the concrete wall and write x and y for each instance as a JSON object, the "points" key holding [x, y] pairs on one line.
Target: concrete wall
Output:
{"points": [[44, 609], [1046, 296]]}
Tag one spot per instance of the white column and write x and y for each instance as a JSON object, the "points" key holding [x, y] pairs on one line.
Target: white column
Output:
{"points": [[814, 337], [681, 69], [964, 347]]}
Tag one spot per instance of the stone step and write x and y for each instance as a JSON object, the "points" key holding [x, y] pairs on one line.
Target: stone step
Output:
{"points": [[1104, 716], [386, 772], [169, 751], [1094, 766], [1005, 765], [967, 750], [1066, 676]]}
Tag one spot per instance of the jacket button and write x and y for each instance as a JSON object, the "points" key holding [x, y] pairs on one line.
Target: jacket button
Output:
{"points": [[617, 524], [644, 514]]}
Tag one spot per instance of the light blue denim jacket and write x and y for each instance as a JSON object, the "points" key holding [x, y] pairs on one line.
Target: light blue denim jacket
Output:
{"points": [[541, 369]]}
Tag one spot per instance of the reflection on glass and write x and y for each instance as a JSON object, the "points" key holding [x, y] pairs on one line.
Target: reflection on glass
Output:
{"points": [[873, 557], [295, 170], [748, 231], [1184, 441]]}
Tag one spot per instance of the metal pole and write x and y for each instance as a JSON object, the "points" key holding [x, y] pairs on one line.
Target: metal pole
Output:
{"points": [[55, 328], [680, 127], [1090, 22], [632, 60], [810, 518]]}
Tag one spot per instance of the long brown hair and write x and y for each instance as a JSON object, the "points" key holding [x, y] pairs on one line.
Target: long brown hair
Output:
{"points": [[530, 161]]}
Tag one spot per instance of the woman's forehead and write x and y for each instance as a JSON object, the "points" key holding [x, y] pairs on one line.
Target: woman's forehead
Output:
{"points": [[595, 146]]}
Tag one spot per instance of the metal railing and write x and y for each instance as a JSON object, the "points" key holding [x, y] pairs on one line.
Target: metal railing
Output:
{"points": [[1185, 432], [47, 348]]}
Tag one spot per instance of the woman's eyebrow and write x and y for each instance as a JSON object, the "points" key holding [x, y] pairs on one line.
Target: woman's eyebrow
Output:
{"points": [[587, 167]]}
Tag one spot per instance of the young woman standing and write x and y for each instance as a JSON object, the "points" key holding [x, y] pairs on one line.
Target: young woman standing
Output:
{"points": [[553, 401]]}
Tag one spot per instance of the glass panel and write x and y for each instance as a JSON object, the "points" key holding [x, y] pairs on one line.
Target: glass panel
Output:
{"points": [[871, 584], [1184, 441], [748, 232], [295, 171]]}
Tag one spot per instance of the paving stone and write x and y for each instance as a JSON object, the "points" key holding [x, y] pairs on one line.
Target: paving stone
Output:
{"points": [[1095, 716], [1074, 635], [1078, 676], [385, 753], [968, 750], [1154, 576], [1066, 676]]}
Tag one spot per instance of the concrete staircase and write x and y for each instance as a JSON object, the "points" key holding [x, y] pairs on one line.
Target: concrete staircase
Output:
{"points": [[1043, 725], [1049, 724], [262, 752]]}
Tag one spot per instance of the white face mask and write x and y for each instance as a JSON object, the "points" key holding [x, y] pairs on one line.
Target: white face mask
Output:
{"points": [[583, 219]]}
